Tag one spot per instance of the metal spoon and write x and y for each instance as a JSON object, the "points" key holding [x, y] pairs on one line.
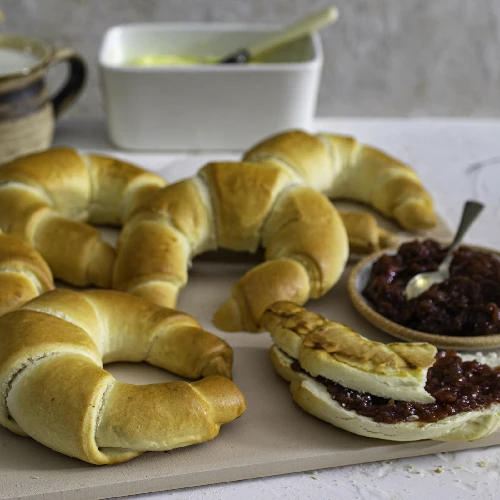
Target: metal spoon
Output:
{"points": [[421, 282], [303, 27]]}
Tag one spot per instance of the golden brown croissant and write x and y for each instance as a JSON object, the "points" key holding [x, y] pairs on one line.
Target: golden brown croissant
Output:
{"points": [[46, 197], [340, 167], [56, 391], [381, 390], [365, 235], [237, 206], [23, 273]]}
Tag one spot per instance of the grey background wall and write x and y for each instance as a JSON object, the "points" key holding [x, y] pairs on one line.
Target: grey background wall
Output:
{"points": [[383, 57]]}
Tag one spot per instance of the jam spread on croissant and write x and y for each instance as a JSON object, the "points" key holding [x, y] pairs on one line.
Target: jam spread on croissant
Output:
{"points": [[457, 386], [466, 304]]}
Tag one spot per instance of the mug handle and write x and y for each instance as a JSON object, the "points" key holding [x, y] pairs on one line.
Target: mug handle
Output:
{"points": [[75, 81]]}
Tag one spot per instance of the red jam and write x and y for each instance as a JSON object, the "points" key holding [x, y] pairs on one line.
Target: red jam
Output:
{"points": [[466, 304], [457, 386]]}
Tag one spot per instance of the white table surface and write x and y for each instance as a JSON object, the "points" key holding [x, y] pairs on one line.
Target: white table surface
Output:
{"points": [[443, 152]]}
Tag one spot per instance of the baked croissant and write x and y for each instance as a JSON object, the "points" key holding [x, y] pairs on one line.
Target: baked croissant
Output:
{"points": [[23, 273], [241, 205], [56, 391], [364, 234], [237, 206], [341, 167], [46, 197], [397, 391]]}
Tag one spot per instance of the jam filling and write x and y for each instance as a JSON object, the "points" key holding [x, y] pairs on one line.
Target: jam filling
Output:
{"points": [[457, 386], [466, 304]]}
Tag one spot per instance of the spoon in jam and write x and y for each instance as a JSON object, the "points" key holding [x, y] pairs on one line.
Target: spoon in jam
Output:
{"points": [[421, 282]]}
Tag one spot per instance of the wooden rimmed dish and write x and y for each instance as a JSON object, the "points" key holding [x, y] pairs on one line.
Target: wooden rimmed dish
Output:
{"points": [[356, 282]]}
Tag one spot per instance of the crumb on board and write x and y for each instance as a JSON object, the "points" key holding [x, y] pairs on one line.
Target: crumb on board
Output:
{"points": [[438, 470], [482, 463], [315, 478]]}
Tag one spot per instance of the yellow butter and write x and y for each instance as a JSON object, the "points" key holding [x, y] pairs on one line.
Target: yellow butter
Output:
{"points": [[169, 60]]}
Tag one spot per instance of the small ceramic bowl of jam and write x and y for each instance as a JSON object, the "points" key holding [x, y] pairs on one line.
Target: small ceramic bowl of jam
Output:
{"points": [[463, 312]]}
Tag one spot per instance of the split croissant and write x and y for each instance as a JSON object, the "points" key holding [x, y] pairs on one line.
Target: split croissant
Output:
{"points": [[23, 273], [55, 390], [237, 206], [272, 198], [46, 197], [394, 371]]}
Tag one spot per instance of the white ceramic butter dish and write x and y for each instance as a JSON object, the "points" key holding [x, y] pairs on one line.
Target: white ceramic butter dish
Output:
{"points": [[204, 106]]}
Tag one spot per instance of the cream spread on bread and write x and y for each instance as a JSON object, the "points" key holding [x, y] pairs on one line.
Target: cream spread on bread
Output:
{"points": [[464, 391]]}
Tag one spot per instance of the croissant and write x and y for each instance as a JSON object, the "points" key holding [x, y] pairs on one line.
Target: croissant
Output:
{"points": [[269, 199], [364, 234], [23, 273], [46, 197], [56, 391], [341, 167], [397, 391], [237, 206]]}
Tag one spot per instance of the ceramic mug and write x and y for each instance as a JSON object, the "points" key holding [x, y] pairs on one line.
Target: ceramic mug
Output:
{"points": [[27, 111]]}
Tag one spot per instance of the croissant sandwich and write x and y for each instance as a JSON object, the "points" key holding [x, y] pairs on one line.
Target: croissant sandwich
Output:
{"points": [[397, 391], [54, 387], [48, 198]]}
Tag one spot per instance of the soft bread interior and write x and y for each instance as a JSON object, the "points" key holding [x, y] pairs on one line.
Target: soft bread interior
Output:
{"points": [[397, 371], [467, 426], [334, 351]]}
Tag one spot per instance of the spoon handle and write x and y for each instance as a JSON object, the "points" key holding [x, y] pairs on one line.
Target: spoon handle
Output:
{"points": [[469, 214], [310, 24], [471, 211]]}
